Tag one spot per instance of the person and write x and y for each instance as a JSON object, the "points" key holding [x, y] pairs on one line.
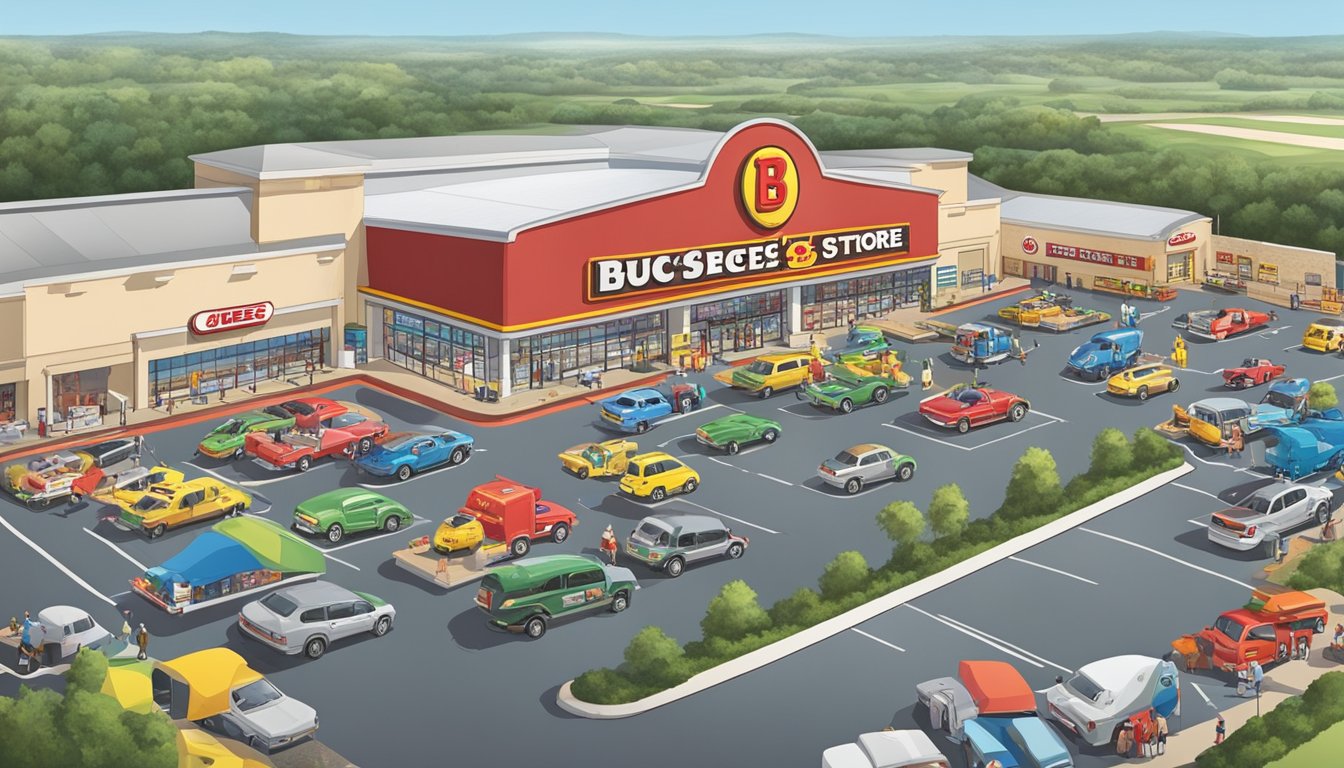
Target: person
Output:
{"points": [[1162, 730], [126, 627], [817, 370], [609, 544], [1328, 527], [1235, 443], [1338, 643], [1280, 547], [1143, 734], [142, 640], [1124, 312], [1068, 280], [1124, 741], [26, 637], [1220, 730], [1258, 676]]}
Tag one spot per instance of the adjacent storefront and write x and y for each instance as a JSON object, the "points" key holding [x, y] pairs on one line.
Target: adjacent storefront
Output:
{"points": [[546, 358], [238, 365], [1132, 265]]}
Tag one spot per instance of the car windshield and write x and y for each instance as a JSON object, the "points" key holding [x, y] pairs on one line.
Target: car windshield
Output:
{"points": [[846, 458], [1257, 503], [230, 427], [762, 367], [1084, 686], [399, 443], [279, 604], [1230, 628], [1280, 400], [653, 533], [149, 504], [256, 694], [1206, 415], [634, 470], [626, 402], [457, 521]]}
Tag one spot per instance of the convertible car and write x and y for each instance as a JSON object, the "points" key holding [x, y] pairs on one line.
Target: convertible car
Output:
{"points": [[964, 407], [227, 439], [405, 453], [1252, 371], [605, 459]]}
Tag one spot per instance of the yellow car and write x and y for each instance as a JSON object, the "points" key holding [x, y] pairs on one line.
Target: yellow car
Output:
{"points": [[768, 374], [1142, 381], [1210, 421], [604, 459], [458, 532], [169, 505], [654, 475], [129, 487], [1325, 334]]}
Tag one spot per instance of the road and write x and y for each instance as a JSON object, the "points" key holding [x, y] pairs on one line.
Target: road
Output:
{"points": [[1128, 582]]}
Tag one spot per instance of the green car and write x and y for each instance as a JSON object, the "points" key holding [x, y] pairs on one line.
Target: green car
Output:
{"points": [[349, 510], [844, 389], [731, 432], [526, 597], [226, 440], [868, 350]]}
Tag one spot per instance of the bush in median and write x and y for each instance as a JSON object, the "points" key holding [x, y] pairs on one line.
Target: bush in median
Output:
{"points": [[735, 624], [1296, 721]]}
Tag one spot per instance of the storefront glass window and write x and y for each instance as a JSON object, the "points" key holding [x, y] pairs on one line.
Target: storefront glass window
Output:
{"points": [[8, 402], [743, 323], [238, 365], [436, 350], [539, 360], [833, 305]]}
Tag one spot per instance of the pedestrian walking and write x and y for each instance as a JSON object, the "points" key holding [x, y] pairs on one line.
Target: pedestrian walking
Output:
{"points": [[1068, 280], [26, 636], [1124, 312], [142, 640], [1220, 730], [609, 544], [126, 627], [1280, 547], [1257, 676]]}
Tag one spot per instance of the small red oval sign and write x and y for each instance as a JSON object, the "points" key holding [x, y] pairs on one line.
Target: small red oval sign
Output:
{"points": [[1181, 238], [1030, 246], [231, 318]]}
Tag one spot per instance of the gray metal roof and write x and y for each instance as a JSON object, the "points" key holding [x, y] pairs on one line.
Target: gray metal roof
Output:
{"points": [[907, 156], [1078, 214], [73, 237]]}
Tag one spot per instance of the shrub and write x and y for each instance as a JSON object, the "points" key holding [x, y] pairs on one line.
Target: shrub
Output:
{"points": [[1151, 449], [1033, 486], [1112, 454], [902, 521], [1322, 566], [1322, 396], [605, 686], [1296, 721], [87, 672], [949, 510], [801, 609], [846, 574], [654, 659], [735, 613]]}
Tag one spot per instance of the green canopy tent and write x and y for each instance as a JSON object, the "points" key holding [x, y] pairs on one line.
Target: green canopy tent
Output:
{"points": [[274, 547]]}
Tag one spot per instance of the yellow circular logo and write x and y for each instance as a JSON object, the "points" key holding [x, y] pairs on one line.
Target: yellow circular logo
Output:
{"points": [[770, 187], [800, 254]]}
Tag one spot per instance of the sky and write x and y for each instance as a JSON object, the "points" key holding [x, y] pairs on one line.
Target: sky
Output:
{"points": [[848, 18]]}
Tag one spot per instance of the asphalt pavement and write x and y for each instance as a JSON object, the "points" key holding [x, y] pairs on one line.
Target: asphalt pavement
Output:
{"points": [[1127, 582]]}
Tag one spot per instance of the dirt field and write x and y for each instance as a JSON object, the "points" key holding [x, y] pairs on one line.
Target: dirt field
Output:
{"points": [[1250, 134], [1151, 116]]}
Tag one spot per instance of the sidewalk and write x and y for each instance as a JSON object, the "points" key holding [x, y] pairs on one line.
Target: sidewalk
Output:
{"points": [[1282, 681]]}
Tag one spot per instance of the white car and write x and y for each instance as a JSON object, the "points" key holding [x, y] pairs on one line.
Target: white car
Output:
{"points": [[886, 749], [65, 629], [1100, 696], [1271, 510]]}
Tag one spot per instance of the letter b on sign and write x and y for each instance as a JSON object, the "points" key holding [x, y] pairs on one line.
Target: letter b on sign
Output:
{"points": [[769, 187]]}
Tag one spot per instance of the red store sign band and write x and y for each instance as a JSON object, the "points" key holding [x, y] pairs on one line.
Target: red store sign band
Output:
{"points": [[1105, 258], [231, 318]]}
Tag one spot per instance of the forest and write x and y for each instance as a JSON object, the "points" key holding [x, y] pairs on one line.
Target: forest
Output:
{"points": [[107, 114]]}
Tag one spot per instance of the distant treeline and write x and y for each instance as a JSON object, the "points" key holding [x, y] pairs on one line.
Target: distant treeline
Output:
{"points": [[97, 115]]}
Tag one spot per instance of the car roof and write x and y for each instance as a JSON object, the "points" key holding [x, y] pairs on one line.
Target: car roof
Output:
{"points": [[1116, 672], [1221, 404], [784, 356], [535, 569], [643, 392], [60, 615], [652, 456], [689, 523], [340, 495], [862, 448], [317, 592], [894, 749]]}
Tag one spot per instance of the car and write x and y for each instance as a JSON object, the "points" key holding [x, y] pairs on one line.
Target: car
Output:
{"points": [[1143, 380], [731, 432], [669, 542], [1269, 511], [1219, 324], [461, 531], [963, 407], [639, 410], [1210, 420], [403, 454], [605, 459], [110, 452], [1325, 334], [527, 597], [226, 441], [847, 387], [307, 618], [1252, 371], [1094, 701], [310, 410], [41, 480], [350, 419], [886, 749], [654, 475], [349, 510], [169, 505], [128, 487], [866, 349], [64, 630], [769, 374], [854, 468]]}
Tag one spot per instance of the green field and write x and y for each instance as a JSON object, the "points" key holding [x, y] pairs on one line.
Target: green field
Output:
{"points": [[1326, 749], [1215, 147]]}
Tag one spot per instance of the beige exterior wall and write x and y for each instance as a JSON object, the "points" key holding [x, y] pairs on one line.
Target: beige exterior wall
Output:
{"points": [[11, 339], [1275, 271], [966, 230], [1155, 251], [949, 177]]}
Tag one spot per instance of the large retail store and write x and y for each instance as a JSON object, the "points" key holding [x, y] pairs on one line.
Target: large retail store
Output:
{"points": [[514, 262]]}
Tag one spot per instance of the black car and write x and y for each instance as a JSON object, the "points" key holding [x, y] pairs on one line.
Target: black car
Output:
{"points": [[111, 452]]}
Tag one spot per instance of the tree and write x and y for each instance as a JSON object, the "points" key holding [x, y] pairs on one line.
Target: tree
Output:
{"points": [[1112, 454], [655, 659], [87, 672], [846, 574], [801, 609], [1033, 486], [1322, 396], [902, 521], [1151, 449], [949, 510], [734, 613]]}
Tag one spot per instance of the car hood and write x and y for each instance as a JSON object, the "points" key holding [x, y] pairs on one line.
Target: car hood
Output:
{"points": [[743, 377], [616, 573], [282, 718], [831, 387], [1084, 355], [717, 430]]}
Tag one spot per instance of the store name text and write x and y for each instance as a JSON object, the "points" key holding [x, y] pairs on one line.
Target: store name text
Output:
{"points": [[623, 275], [231, 318], [1104, 258]]}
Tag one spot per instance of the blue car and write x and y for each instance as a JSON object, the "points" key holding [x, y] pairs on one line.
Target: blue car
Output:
{"points": [[1023, 741], [638, 410], [406, 453]]}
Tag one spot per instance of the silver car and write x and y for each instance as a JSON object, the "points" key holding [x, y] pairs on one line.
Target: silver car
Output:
{"points": [[670, 542], [306, 618], [863, 464], [1269, 511]]}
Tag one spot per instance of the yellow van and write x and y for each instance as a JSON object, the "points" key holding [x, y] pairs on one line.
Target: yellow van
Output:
{"points": [[769, 374], [1325, 334], [1210, 421]]}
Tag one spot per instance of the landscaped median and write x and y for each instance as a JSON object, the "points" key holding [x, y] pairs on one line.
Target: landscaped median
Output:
{"points": [[740, 636]]}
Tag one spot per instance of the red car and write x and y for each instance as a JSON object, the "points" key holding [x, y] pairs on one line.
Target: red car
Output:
{"points": [[324, 428], [1273, 627], [1218, 324], [965, 407], [1252, 371]]}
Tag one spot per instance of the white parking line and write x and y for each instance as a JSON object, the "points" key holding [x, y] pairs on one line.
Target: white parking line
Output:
{"points": [[1052, 570], [1168, 557], [1202, 694], [1332, 378], [990, 643], [1291, 346], [1196, 370], [1019, 649], [700, 410], [800, 415], [285, 475], [730, 517], [1199, 523], [1273, 331], [49, 558], [724, 463], [776, 479], [1048, 416], [1197, 490], [118, 550], [337, 559], [981, 445], [1145, 315], [1202, 460], [878, 639], [675, 439]]}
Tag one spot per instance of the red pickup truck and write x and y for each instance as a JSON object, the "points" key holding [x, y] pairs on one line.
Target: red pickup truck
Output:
{"points": [[514, 513], [1273, 627]]}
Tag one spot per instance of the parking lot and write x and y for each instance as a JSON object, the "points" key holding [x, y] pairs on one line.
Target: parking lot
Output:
{"points": [[1128, 582]]}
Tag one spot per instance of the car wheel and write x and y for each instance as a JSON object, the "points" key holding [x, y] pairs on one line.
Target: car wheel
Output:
{"points": [[735, 551], [853, 485], [1143, 393], [1283, 652], [642, 427], [732, 447], [521, 546], [766, 392], [690, 486], [335, 533], [1303, 647], [238, 509], [685, 404], [1104, 373], [1174, 385], [383, 625], [963, 426], [583, 473], [305, 463], [404, 472], [392, 523], [905, 472], [1320, 626], [674, 567], [157, 531], [1323, 512], [880, 395], [1017, 412], [658, 494], [620, 602], [559, 533], [846, 405], [365, 445], [238, 453], [314, 648], [458, 457], [770, 435], [535, 627]]}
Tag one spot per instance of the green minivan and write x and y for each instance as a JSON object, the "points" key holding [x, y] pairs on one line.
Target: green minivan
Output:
{"points": [[525, 597]]}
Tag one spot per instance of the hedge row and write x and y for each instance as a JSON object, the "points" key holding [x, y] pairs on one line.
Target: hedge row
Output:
{"points": [[1292, 723], [736, 624]]}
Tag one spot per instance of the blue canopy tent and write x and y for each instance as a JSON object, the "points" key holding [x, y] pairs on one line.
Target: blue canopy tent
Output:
{"points": [[210, 557]]}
